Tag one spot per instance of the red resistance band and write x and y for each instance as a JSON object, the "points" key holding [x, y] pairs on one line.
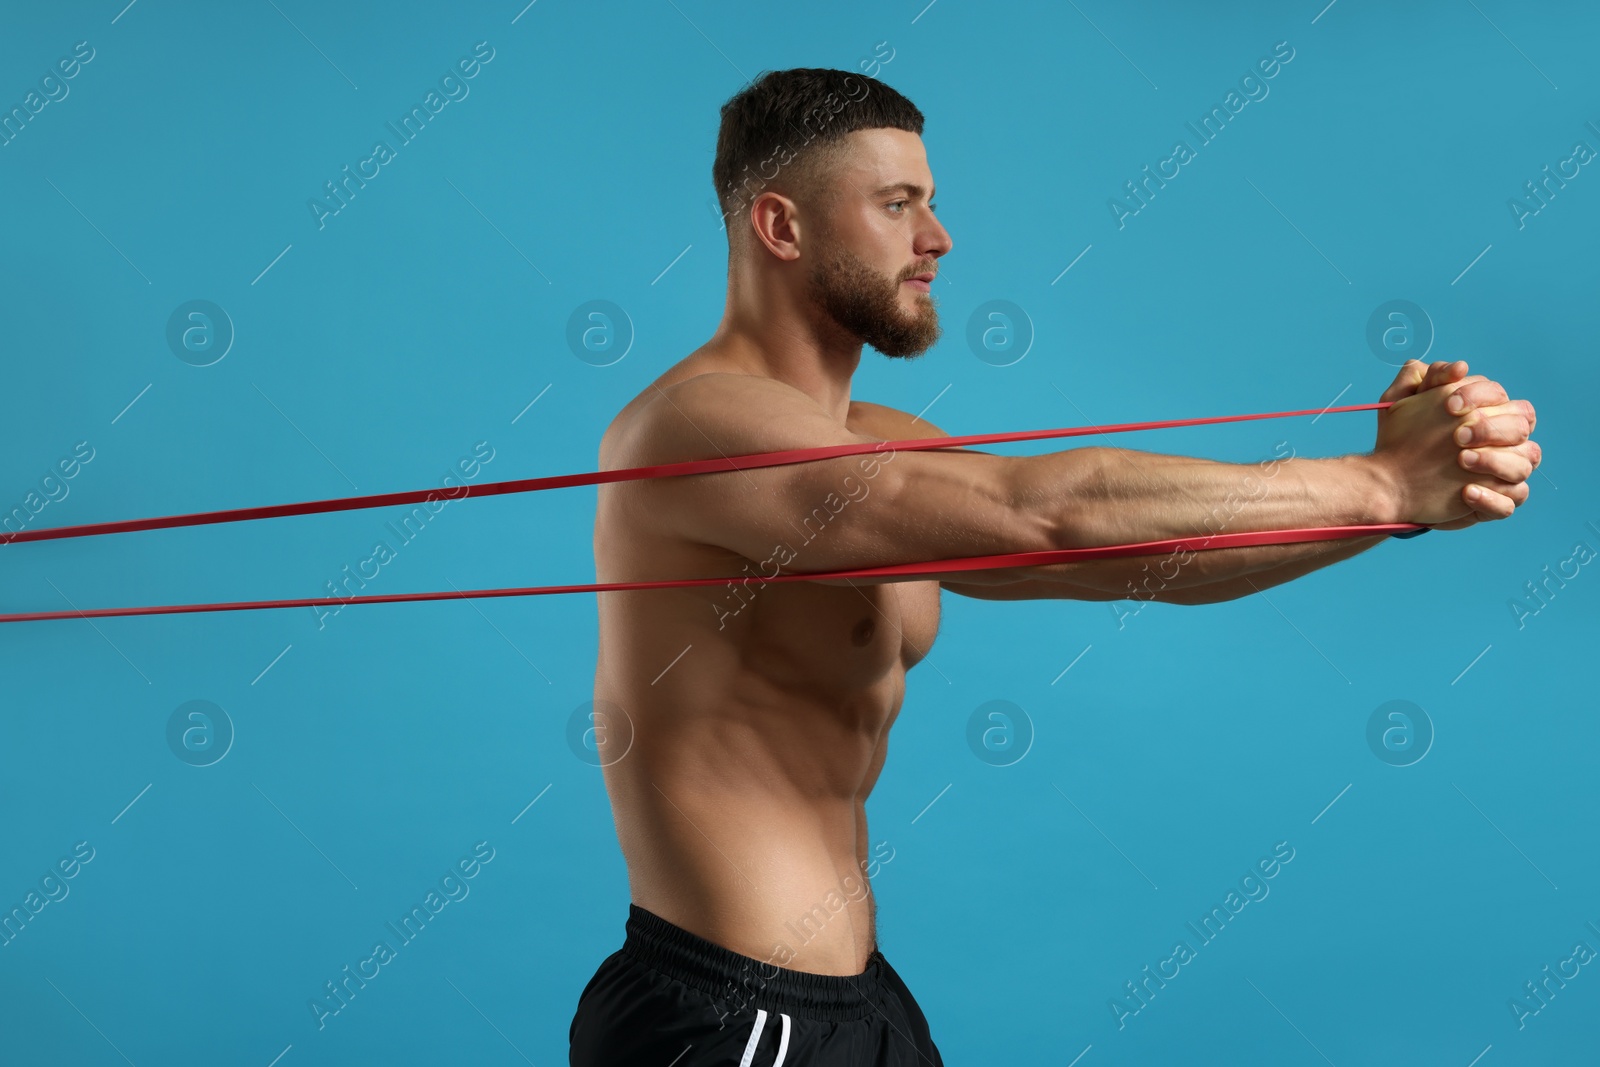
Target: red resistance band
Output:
{"points": [[705, 466]]}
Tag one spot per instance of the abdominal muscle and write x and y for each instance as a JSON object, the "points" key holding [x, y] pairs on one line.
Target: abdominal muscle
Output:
{"points": [[740, 800]]}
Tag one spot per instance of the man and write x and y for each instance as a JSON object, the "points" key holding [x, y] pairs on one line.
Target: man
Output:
{"points": [[742, 727]]}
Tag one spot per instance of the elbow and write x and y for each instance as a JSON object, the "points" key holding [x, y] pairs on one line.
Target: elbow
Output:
{"points": [[1043, 497]]}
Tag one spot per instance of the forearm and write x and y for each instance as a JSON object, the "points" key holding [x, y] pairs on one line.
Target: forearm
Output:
{"points": [[1265, 575], [1143, 580], [1117, 496]]}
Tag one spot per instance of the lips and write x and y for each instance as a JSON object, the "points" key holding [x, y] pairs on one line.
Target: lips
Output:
{"points": [[921, 282]]}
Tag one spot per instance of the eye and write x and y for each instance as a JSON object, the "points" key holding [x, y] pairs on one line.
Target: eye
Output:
{"points": [[896, 203]]}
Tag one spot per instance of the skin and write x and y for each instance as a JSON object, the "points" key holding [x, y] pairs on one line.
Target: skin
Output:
{"points": [[749, 724]]}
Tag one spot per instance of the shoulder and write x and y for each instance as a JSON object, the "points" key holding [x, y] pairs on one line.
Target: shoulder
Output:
{"points": [[890, 424], [704, 414]]}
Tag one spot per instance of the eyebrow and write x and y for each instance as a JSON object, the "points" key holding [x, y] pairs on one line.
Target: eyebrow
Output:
{"points": [[911, 189]]}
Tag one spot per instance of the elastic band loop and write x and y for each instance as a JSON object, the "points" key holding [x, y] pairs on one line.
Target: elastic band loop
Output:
{"points": [[706, 466], [660, 470]]}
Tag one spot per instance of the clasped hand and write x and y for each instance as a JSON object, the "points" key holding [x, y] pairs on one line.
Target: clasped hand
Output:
{"points": [[1457, 448]]}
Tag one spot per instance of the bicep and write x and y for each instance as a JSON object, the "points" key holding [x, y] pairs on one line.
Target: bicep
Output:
{"points": [[856, 511], [845, 512]]}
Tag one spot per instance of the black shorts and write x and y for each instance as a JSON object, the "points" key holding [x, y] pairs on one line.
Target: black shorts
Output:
{"points": [[669, 998]]}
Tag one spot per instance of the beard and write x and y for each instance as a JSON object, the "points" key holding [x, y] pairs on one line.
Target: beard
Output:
{"points": [[865, 304]]}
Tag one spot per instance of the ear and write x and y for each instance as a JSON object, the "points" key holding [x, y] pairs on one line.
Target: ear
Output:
{"points": [[775, 221]]}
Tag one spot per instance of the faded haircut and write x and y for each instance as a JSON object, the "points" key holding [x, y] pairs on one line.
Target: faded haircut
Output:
{"points": [[784, 131]]}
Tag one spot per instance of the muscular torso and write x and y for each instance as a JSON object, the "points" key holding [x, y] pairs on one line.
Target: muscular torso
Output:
{"points": [[759, 721]]}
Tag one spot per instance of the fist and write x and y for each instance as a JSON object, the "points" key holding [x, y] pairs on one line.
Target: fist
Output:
{"points": [[1492, 435]]}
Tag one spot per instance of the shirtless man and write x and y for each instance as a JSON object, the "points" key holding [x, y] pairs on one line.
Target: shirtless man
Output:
{"points": [[742, 728]]}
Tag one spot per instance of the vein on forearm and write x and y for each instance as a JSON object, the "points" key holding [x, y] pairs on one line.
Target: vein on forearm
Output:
{"points": [[1123, 497]]}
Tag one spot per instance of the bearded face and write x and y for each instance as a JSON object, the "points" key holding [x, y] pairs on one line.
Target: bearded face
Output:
{"points": [[871, 305]]}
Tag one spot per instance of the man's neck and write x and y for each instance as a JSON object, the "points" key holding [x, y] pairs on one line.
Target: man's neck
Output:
{"points": [[774, 339]]}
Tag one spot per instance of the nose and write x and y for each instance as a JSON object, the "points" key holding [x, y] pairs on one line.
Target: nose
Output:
{"points": [[933, 239]]}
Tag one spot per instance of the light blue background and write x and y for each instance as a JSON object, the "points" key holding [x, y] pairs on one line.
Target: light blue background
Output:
{"points": [[373, 753]]}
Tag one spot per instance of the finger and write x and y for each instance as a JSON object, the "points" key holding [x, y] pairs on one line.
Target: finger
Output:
{"points": [[1476, 392], [1507, 407], [1526, 407], [1506, 464], [1516, 492], [1416, 377], [1488, 504], [1442, 373], [1528, 450], [1504, 425], [1405, 383]]}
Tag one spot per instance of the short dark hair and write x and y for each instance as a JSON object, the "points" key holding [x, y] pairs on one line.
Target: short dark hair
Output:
{"points": [[785, 126]]}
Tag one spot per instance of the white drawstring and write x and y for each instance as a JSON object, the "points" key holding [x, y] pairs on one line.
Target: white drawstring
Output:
{"points": [[755, 1036]]}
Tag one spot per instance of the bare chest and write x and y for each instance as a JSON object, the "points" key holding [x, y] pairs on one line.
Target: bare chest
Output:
{"points": [[845, 635]]}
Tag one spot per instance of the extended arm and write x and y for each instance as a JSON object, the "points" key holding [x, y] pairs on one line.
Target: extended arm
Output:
{"points": [[914, 506], [1496, 445]]}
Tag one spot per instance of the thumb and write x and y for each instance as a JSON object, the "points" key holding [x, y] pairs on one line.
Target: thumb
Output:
{"points": [[1416, 377], [1405, 384]]}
